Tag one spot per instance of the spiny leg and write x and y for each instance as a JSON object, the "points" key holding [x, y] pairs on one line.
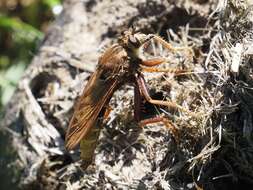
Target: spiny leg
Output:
{"points": [[168, 46], [168, 124], [141, 84], [157, 61], [148, 66], [137, 103], [176, 72], [153, 62], [137, 110]]}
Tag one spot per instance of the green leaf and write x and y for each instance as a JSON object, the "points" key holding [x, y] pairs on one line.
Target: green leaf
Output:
{"points": [[7, 94], [4, 61], [19, 26], [9, 80], [52, 3], [14, 73]]}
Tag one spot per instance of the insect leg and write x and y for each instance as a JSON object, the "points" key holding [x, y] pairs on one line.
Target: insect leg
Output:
{"points": [[143, 89], [170, 47], [168, 124], [137, 103], [177, 72], [153, 62], [150, 63]]}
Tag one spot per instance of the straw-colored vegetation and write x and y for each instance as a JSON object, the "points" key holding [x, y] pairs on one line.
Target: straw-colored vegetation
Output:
{"points": [[213, 148]]}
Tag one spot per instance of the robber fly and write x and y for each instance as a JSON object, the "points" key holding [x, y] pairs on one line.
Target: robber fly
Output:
{"points": [[120, 64]]}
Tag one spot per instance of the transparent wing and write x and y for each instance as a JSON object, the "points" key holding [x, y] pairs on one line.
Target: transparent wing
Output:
{"points": [[97, 93]]}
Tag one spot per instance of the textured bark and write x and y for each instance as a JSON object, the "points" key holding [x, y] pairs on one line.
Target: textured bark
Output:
{"points": [[36, 118]]}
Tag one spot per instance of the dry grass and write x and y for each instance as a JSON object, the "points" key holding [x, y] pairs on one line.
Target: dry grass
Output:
{"points": [[214, 149]]}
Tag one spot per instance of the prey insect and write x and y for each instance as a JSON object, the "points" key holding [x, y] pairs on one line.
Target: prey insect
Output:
{"points": [[120, 64]]}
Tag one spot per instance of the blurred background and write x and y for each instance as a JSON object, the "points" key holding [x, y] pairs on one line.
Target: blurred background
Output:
{"points": [[22, 27]]}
